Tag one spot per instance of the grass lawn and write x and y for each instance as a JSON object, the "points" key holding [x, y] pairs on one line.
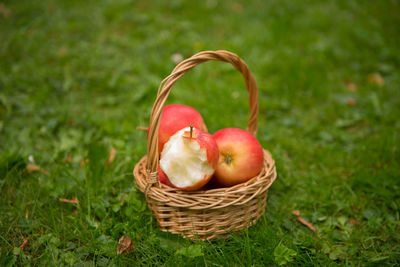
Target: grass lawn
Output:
{"points": [[77, 77]]}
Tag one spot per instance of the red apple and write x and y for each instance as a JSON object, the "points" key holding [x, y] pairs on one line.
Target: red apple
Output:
{"points": [[176, 117], [241, 156], [189, 159]]}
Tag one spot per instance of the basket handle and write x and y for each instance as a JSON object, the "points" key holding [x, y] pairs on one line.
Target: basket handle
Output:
{"points": [[166, 87]]}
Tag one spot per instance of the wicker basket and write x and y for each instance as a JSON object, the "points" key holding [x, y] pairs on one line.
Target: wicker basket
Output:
{"points": [[205, 214]]}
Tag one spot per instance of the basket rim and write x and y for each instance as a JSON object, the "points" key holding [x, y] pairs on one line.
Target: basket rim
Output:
{"points": [[167, 84], [208, 198]]}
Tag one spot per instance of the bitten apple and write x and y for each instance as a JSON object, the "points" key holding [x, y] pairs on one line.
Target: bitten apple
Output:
{"points": [[240, 156], [189, 159], [162, 177], [175, 117]]}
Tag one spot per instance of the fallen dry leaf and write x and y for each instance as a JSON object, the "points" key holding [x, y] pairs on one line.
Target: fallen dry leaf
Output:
{"points": [[296, 213], [125, 245], [23, 245], [35, 168], [4, 11], [237, 7], [68, 159], [84, 162], [62, 52], [51, 8], [142, 128], [354, 222], [70, 122], [10, 191], [123, 197], [235, 94], [111, 156], [351, 102], [74, 200], [352, 87], [113, 191], [309, 225], [376, 78], [177, 58]]}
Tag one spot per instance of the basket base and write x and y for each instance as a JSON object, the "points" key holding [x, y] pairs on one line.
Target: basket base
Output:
{"points": [[208, 214], [198, 225]]}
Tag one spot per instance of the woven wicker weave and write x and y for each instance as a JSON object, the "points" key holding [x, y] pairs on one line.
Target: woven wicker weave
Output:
{"points": [[204, 214]]}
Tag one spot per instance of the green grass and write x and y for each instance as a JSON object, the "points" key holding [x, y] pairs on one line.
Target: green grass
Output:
{"points": [[77, 77]]}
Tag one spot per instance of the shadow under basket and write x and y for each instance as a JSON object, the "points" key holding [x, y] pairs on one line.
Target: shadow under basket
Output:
{"points": [[212, 213]]}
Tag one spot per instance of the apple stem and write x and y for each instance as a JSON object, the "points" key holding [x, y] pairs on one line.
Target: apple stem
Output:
{"points": [[191, 130]]}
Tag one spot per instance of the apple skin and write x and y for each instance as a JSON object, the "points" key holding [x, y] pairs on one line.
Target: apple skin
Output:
{"points": [[241, 157], [206, 142], [174, 118], [163, 178]]}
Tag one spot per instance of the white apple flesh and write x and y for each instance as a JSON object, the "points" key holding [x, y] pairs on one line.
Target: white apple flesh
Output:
{"points": [[189, 159]]}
